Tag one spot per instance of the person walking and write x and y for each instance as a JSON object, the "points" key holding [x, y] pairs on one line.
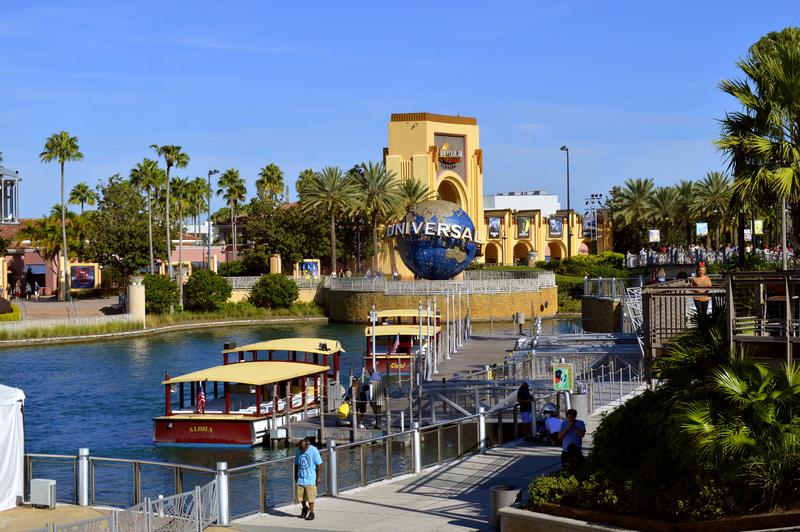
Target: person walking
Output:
{"points": [[700, 280], [374, 391], [308, 474], [36, 290], [525, 400], [571, 435], [28, 291]]}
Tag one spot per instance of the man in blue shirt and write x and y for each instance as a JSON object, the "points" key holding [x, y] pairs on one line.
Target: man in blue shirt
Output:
{"points": [[308, 473], [571, 433]]}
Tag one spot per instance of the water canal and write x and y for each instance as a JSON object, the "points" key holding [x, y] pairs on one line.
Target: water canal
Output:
{"points": [[103, 395]]}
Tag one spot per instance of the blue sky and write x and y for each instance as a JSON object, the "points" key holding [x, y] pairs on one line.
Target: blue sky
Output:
{"points": [[630, 87]]}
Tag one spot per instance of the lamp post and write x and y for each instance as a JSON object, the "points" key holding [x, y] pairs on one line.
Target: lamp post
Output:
{"points": [[208, 227], [569, 218]]}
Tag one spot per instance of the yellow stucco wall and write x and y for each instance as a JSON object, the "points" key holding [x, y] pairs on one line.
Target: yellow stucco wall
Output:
{"points": [[306, 296]]}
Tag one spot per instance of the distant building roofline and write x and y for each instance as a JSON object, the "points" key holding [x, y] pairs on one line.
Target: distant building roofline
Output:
{"points": [[430, 117]]}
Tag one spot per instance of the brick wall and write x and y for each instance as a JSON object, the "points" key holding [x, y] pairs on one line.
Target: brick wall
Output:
{"points": [[353, 307], [604, 314]]}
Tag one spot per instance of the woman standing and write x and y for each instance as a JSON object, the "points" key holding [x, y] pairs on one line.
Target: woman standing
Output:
{"points": [[701, 301]]}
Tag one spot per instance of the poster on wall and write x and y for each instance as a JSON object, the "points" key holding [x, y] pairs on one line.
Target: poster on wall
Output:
{"points": [[82, 277], [309, 269], [523, 227], [556, 226], [494, 227], [747, 236], [655, 235], [759, 227], [702, 228], [589, 226], [451, 154]]}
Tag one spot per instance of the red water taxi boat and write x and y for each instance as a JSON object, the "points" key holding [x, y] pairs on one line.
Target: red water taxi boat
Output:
{"points": [[259, 390], [397, 346]]}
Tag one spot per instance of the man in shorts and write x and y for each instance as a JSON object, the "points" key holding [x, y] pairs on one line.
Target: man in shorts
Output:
{"points": [[308, 473], [525, 400]]}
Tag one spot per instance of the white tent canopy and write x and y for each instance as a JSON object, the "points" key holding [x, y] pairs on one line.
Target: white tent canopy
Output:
{"points": [[12, 447]]}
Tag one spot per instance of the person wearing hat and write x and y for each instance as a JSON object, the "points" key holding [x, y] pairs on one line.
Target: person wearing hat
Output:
{"points": [[525, 400]]}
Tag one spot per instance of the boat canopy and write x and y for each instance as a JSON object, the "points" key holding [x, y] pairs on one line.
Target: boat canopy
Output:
{"points": [[405, 330], [257, 373], [307, 345], [407, 313]]}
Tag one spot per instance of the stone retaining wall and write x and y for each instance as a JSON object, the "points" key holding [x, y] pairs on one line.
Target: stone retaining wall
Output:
{"points": [[45, 324], [353, 307], [600, 315]]}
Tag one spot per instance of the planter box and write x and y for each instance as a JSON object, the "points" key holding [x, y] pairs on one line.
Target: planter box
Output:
{"points": [[553, 517]]}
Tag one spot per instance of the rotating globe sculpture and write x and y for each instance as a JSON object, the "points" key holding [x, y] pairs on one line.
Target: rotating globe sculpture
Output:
{"points": [[441, 255]]}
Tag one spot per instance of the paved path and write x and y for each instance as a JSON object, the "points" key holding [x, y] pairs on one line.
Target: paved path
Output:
{"points": [[50, 308]]}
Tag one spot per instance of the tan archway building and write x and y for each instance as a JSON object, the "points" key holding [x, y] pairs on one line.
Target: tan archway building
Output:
{"points": [[442, 152]]}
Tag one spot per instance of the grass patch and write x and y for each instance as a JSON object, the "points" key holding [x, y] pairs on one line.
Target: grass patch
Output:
{"points": [[233, 312]]}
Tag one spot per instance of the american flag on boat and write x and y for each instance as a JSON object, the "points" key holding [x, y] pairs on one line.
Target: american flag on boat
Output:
{"points": [[201, 399], [396, 343]]}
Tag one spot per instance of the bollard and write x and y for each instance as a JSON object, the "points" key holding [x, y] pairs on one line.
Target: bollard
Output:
{"points": [[333, 481], [417, 447], [482, 430], [223, 489], [83, 476], [402, 421]]}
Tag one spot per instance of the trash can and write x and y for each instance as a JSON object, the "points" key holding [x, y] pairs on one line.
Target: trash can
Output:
{"points": [[503, 496]]}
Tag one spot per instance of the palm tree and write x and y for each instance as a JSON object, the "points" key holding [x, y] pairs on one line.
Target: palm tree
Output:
{"points": [[271, 180], [81, 194], [173, 156], [761, 141], [663, 203], [44, 236], [62, 148], [330, 192], [382, 198], [1, 157], [232, 188], [180, 189], [413, 192], [199, 191], [714, 195], [634, 203], [303, 178], [148, 176]]}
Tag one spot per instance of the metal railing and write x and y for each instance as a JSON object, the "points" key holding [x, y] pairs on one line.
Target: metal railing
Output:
{"points": [[535, 283], [486, 275], [679, 258], [600, 288], [243, 283]]}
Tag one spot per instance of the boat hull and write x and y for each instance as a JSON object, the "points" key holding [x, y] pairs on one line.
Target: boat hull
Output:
{"points": [[393, 365], [199, 431]]}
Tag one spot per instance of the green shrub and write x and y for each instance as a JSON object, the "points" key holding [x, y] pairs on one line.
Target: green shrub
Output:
{"points": [[11, 316], [159, 293], [567, 304], [572, 286], [238, 268], [206, 290], [238, 306], [551, 265], [274, 290], [604, 265]]}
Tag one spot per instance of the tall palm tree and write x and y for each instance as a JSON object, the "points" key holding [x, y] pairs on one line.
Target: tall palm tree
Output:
{"points": [[714, 195], [762, 141], [180, 189], [686, 205], [413, 192], [148, 176], [381, 196], [303, 178], [634, 203], [270, 179], [663, 204], [81, 194], [44, 236], [173, 156], [232, 188], [200, 190], [62, 148], [330, 192]]}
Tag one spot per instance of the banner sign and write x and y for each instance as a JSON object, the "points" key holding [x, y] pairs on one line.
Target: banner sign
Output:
{"points": [[562, 377], [523, 227], [82, 277], [702, 228], [556, 226], [451, 154], [747, 236], [494, 227], [759, 227], [589, 226], [655, 235], [309, 269]]}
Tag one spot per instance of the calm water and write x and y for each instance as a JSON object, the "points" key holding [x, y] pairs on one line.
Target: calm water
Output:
{"points": [[103, 395]]}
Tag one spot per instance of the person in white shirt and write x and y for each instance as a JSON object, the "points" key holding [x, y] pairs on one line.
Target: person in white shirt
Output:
{"points": [[552, 425]]}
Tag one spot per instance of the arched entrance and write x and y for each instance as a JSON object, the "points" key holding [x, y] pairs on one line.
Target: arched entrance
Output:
{"points": [[521, 253], [584, 249], [553, 251], [448, 191], [491, 254]]}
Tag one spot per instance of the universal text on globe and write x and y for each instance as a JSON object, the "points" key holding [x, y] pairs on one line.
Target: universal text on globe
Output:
{"points": [[431, 229]]}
